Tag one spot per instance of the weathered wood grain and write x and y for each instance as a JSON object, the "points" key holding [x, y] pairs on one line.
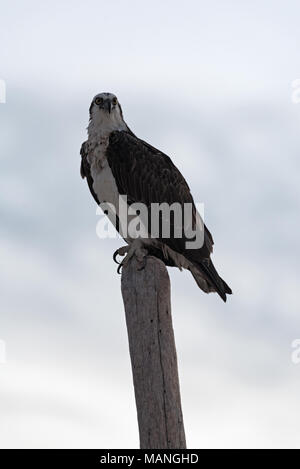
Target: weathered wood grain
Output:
{"points": [[146, 296]]}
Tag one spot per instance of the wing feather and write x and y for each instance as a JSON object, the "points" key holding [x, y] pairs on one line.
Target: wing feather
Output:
{"points": [[147, 175]]}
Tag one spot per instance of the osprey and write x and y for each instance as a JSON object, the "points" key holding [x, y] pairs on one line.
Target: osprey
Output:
{"points": [[116, 163]]}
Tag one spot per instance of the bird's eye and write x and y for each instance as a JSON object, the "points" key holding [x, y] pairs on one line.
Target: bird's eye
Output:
{"points": [[98, 101], [114, 101]]}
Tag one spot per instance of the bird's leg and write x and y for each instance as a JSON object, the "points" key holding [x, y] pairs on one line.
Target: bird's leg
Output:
{"points": [[136, 248]]}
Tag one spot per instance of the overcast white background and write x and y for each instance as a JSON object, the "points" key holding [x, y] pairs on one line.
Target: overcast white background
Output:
{"points": [[209, 83]]}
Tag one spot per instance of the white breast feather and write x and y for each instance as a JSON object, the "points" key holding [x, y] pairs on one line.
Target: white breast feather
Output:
{"points": [[104, 183]]}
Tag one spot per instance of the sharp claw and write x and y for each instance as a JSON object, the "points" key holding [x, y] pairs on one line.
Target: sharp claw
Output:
{"points": [[130, 251], [116, 253]]}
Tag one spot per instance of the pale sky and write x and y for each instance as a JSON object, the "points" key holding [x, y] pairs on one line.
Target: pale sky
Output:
{"points": [[209, 83]]}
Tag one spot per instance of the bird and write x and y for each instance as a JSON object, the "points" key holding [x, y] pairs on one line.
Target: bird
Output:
{"points": [[116, 163]]}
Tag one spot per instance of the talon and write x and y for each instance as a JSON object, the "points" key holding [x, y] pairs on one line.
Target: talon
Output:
{"points": [[120, 252], [115, 254], [131, 250]]}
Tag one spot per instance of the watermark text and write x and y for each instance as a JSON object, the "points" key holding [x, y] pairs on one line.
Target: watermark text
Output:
{"points": [[2, 91]]}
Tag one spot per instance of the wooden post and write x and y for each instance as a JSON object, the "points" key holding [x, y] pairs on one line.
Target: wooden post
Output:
{"points": [[146, 296]]}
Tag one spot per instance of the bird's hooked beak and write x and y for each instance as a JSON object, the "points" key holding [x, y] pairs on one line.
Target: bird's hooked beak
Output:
{"points": [[107, 105]]}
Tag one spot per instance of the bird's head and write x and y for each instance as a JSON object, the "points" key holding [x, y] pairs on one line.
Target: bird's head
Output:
{"points": [[105, 107]]}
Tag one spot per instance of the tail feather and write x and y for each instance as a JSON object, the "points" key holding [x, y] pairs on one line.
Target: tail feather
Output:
{"points": [[213, 280]]}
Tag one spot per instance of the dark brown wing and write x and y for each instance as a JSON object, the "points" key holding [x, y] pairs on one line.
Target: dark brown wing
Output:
{"points": [[85, 169], [147, 175]]}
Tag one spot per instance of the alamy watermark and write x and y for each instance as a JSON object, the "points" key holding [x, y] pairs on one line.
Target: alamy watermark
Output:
{"points": [[2, 352], [157, 221], [2, 91], [295, 356]]}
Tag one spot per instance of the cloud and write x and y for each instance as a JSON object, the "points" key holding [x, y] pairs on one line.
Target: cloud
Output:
{"points": [[68, 377]]}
